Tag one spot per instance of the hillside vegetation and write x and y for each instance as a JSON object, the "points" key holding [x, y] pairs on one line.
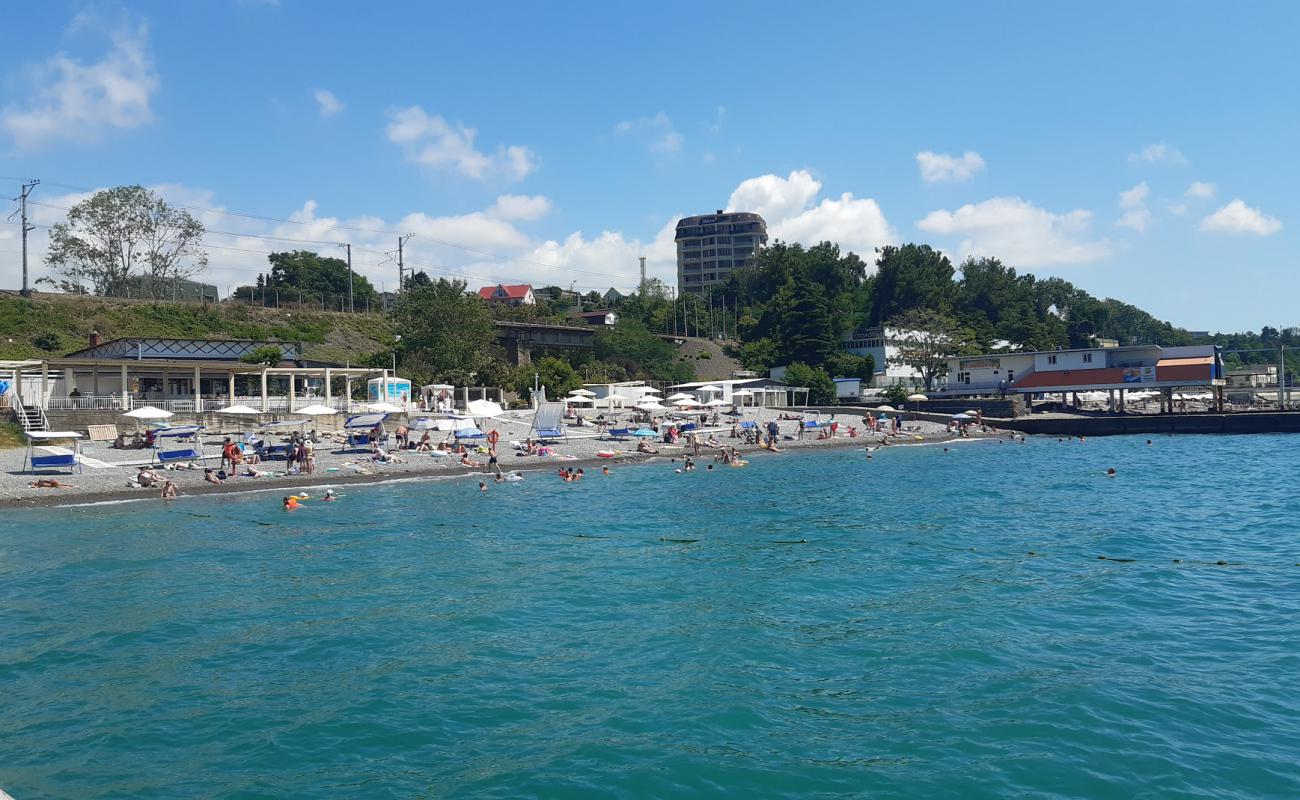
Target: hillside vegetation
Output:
{"points": [[56, 324]]}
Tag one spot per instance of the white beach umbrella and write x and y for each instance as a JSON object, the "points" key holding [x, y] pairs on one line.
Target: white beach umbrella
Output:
{"points": [[651, 407], [710, 388], [686, 401], [649, 389], [680, 396], [583, 393], [316, 411], [916, 398], [886, 408], [580, 400], [743, 393], [239, 411], [148, 412], [484, 408], [384, 408], [716, 403]]}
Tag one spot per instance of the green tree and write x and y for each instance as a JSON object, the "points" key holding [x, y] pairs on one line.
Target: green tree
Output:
{"points": [[301, 276], [267, 354], [850, 365], [821, 389], [447, 334], [908, 277], [556, 374], [640, 353], [926, 340], [805, 328], [117, 235]]}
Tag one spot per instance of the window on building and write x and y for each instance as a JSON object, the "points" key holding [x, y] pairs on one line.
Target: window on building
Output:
{"points": [[1051, 359], [1087, 358]]}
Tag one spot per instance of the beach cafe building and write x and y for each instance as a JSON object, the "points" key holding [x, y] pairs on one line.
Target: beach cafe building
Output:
{"points": [[188, 376], [1114, 370]]}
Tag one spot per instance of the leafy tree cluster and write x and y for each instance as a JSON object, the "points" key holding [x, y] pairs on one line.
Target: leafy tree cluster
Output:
{"points": [[302, 276], [124, 242]]}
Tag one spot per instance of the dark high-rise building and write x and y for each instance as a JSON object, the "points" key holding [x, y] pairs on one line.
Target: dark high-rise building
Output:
{"points": [[710, 246]]}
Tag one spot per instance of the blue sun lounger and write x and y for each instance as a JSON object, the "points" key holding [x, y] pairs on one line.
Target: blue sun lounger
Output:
{"points": [[191, 451], [618, 434]]}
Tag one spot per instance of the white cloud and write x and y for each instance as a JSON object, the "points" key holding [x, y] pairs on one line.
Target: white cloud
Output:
{"points": [[80, 102], [604, 259], [433, 142], [1134, 204], [328, 102], [1200, 189], [521, 207], [944, 168], [1158, 153], [786, 205], [658, 130], [1019, 232], [1237, 217], [1178, 209]]}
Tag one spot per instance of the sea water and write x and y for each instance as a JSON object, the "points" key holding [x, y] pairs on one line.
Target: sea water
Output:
{"points": [[926, 623]]}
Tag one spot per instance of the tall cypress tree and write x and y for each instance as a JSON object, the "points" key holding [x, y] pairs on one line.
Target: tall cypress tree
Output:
{"points": [[807, 331]]}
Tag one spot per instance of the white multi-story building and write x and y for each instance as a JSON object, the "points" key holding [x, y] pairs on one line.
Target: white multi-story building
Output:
{"points": [[881, 343], [710, 246]]}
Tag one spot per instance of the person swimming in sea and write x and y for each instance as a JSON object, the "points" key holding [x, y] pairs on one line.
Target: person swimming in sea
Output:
{"points": [[329, 497], [291, 503]]}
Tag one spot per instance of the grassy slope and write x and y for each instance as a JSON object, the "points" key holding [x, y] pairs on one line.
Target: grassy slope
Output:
{"points": [[53, 325]]}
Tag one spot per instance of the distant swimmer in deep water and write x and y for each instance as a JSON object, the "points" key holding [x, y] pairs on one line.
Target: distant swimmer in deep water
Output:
{"points": [[329, 497], [482, 487], [1110, 472], [1148, 442]]}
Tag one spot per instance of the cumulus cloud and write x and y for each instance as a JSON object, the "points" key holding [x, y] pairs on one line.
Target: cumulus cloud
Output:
{"points": [[1237, 217], [1200, 189], [520, 207], [430, 140], [1019, 232], [657, 131], [328, 103], [78, 101], [1158, 153], [1134, 204], [944, 168], [787, 205]]}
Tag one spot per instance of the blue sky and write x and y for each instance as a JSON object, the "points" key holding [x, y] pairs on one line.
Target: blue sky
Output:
{"points": [[1142, 151]]}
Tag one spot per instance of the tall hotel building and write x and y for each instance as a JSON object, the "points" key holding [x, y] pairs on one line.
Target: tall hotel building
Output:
{"points": [[710, 246]]}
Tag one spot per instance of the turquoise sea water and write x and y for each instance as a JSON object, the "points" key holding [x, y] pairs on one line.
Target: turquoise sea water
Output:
{"points": [[425, 640]]}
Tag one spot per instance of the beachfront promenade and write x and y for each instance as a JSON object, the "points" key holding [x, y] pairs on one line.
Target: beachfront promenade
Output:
{"points": [[334, 465]]}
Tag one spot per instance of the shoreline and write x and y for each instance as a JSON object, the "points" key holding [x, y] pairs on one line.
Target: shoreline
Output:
{"points": [[91, 497]]}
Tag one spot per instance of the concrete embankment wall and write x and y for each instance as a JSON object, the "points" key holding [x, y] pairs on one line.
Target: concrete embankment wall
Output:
{"points": [[1242, 422]]}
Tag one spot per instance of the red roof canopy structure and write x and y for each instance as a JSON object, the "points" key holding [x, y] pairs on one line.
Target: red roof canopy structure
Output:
{"points": [[502, 291]]}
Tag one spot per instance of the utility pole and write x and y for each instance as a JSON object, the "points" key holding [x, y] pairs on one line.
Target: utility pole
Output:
{"points": [[401, 240], [1281, 377], [22, 210], [351, 308]]}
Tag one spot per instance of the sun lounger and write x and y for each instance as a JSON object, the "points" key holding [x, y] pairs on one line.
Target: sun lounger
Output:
{"points": [[183, 454], [748, 424], [690, 426], [812, 423], [66, 461], [618, 434], [548, 422]]}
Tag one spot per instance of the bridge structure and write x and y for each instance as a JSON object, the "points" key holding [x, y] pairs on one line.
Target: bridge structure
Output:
{"points": [[523, 341]]}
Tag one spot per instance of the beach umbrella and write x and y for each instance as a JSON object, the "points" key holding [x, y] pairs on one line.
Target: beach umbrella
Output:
{"points": [[148, 412], [716, 403], [644, 432], [916, 398], [579, 399], [317, 410], [484, 408], [886, 408], [239, 411], [962, 415], [649, 389], [710, 388], [651, 407], [743, 393], [680, 396], [423, 424], [686, 401], [611, 399], [583, 393], [384, 408]]}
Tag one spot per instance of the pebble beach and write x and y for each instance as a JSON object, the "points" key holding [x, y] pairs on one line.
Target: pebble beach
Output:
{"points": [[336, 465]]}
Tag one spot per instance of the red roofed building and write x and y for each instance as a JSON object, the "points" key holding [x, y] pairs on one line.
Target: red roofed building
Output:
{"points": [[520, 294]]}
